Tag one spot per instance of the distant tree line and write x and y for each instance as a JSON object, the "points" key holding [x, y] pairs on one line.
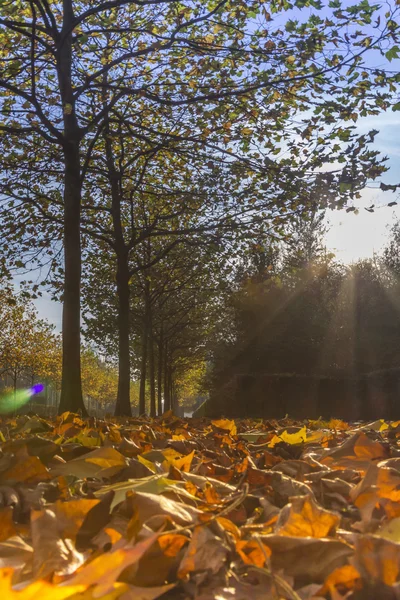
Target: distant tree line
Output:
{"points": [[294, 309]]}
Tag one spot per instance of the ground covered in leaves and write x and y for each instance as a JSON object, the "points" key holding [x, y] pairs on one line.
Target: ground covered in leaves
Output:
{"points": [[198, 509]]}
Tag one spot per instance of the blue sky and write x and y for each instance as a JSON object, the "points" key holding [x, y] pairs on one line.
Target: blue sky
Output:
{"points": [[354, 236]]}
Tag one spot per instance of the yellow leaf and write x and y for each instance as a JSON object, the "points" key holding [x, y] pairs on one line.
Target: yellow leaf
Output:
{"points": [[38, 590], [177, 460], [304, 518], [103, 462], [105, 569], [226, 424], [298, 437], [147, 463]]}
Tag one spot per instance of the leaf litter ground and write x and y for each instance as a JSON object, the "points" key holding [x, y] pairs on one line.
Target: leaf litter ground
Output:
{"points": [[169, 508]]}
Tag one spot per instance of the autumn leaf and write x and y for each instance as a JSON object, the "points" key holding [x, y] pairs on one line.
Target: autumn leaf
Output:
{"points": [[345, 576], [104, 570], [205, 552], [226, 425], [377, 559], [51, 553], [303, 517], [39, 589], [172, 543], [103, 462], [7, 525], [253, 552], [298, 437]]}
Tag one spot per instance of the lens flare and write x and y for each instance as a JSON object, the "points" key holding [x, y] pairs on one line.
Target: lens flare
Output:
{"points": [[37, 388], [13, 401]]}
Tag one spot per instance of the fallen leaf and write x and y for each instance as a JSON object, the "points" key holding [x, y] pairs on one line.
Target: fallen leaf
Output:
{"points": [[303, 517], [309, 558], [51, 553], [101, 463], [226, 425], [7, 525], [104, 570], [42, 590], [205, 552], [377, 559], [345, 576]]}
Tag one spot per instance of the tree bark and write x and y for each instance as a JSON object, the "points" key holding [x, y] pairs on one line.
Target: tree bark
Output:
{"points": [[167, 395], [71, 385], [152, 368], [160, 373], [143, 369], [123, 405], [174, 397]]}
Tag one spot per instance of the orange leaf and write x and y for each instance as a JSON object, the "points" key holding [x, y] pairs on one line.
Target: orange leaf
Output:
{"points": [[171, 543], [253, 552], [70, 515], [7, 526], [345, 576], [303, 517]]}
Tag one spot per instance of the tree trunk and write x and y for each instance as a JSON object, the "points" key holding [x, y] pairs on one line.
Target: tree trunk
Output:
{"points": [[143, 369], [123, 406], [167, 395], [160, 373], [174, 397], [152, 369], [71, 385]]}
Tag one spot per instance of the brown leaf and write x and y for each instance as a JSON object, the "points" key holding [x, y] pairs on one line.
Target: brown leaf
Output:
{"points": [[7, 526], [30, 470], [52, 554], [205, 552], [149, 505], [377, 559], [71, 514], [97, 518], [309, 558]]}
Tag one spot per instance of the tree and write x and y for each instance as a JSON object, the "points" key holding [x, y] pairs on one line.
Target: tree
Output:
{"points": [[28, 346]]}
